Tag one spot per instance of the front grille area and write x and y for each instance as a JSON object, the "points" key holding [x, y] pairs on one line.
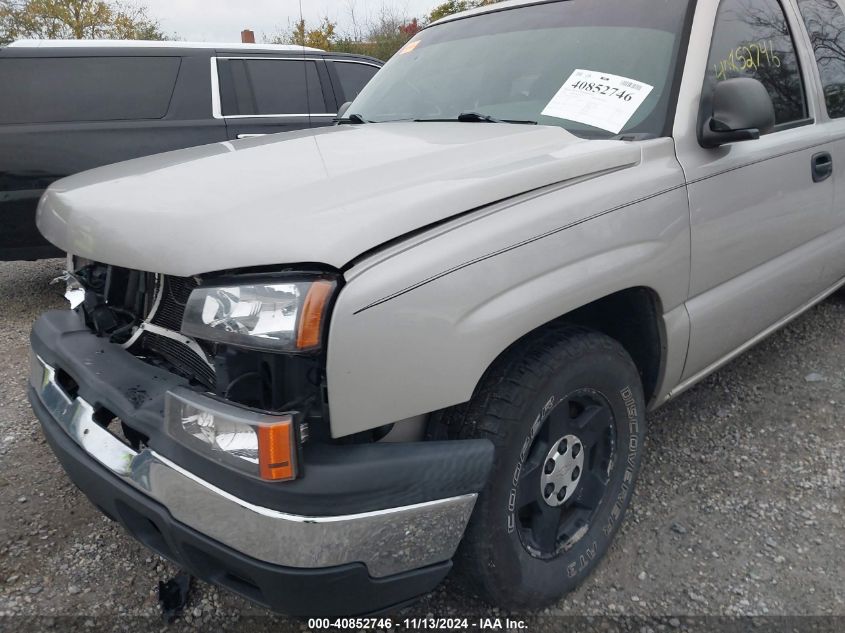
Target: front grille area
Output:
{"points": [[174, 296], [142, 312], [182, 357], [173, 300]]}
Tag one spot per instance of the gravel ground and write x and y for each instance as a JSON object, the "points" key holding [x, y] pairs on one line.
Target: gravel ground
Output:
{"points": [[738, 512]]}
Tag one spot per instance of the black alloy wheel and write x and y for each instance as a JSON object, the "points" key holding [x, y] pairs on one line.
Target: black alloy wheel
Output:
{"points": [[566, 474]]}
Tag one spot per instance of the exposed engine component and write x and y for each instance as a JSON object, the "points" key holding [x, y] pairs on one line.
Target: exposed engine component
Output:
{"points": [[115, 301], [143, 312]]}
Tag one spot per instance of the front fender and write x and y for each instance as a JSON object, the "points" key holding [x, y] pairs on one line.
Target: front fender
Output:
{"points": [[417, 325]]}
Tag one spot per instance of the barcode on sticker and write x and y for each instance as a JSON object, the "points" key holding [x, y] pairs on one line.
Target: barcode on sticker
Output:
{"points": [[631, 84]]}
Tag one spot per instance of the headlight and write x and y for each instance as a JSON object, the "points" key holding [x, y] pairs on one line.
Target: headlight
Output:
{"points": [[258, 444], [278, 316]]}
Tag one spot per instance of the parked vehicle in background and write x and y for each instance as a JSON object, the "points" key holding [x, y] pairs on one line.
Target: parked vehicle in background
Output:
{"points": [[68, 106], [435, 330]]}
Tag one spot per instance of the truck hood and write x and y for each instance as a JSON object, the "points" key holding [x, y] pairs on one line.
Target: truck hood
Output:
{"points": [[325, 195]]}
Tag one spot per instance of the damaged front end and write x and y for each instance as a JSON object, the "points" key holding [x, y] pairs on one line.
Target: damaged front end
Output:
{"points": [[194, 411], [144, 313]]}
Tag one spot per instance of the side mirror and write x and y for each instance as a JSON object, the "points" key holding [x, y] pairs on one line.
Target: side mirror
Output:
{"points": [[741, 110], [342, 109]]}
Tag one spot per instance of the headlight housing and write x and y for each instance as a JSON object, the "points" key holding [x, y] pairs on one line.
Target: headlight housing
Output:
{"points": [[273, 315], [258, 444]]}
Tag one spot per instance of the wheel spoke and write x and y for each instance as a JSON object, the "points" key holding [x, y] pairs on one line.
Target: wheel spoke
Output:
{"points": [[537, 454], [545, 527], [592, 425], [590, 491], [529, 485], [576, 517], [555, 426]]}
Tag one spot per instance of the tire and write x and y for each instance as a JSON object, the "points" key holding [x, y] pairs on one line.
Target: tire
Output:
{"points": [[565, 382]]}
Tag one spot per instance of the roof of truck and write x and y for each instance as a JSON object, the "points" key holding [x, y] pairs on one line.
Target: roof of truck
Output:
{"points": [[155, 44]]}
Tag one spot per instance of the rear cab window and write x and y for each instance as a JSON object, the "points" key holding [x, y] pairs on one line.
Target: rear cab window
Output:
{"points": [[64, 89], [825, 22], [751, 38], [270, 87]]}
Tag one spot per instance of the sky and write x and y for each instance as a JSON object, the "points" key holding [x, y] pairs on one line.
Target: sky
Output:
{"points": [[223, 20]]}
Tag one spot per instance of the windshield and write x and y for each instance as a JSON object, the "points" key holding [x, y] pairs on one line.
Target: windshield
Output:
{"points": [[594, 67]]}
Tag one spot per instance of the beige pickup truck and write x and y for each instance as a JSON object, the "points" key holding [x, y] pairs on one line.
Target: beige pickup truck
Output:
{"points": [[317, 367]]}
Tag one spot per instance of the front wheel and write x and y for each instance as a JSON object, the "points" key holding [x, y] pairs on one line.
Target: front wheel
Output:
{"points": [[566, 412]]}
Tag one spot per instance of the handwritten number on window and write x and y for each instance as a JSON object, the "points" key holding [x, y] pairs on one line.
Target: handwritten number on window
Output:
{"points": [[747, 57]]}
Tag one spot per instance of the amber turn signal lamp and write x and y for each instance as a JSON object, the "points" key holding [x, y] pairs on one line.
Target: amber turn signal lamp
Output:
{"points": [[311, 320], [276, 452]]}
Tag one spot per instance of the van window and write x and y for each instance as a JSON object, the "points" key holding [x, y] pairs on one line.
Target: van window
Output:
{"points": [[269, 87], [826, 25], [63, 89], [353, 77]]}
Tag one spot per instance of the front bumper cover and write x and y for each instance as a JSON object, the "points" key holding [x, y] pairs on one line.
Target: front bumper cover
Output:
{"points": [[329, 591], [394, 552], [338, 479]]}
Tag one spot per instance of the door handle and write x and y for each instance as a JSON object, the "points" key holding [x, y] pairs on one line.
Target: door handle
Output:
{"points": [[240, 136], [822, 166]]}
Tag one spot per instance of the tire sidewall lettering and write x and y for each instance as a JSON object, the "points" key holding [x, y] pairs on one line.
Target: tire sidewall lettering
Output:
{"points": [[523, 455], [630, 463]]}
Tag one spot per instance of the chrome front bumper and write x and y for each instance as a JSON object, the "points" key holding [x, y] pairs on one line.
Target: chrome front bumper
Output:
{"points": [[387, 541]]}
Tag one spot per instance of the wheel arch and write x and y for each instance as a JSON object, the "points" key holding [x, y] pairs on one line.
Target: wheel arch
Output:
{"points": [[632, 317]]}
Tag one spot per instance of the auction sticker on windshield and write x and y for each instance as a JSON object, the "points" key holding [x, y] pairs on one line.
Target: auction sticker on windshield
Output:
{"points": [[602, 100]]}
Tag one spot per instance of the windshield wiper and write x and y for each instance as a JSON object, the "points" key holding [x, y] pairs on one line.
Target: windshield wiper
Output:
{"points": [[476, 117], [355, 119], [633, 136]]}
